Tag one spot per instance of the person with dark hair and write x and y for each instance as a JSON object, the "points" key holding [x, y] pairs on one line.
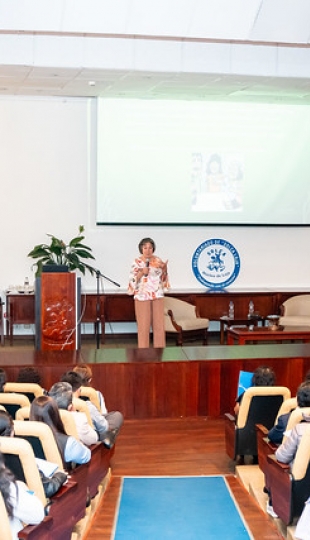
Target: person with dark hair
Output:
{"points": [[22, 505], [62, 393], [263, 376], [45, 409], [3, 379], [148, 280], [287, 451], [107, 426], [28, 374]]}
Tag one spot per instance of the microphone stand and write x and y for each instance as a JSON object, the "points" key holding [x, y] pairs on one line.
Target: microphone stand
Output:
{"points": [[97, 323]]}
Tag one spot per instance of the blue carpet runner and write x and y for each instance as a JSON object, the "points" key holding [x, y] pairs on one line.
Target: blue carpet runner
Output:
{"points": [[178, 508]]}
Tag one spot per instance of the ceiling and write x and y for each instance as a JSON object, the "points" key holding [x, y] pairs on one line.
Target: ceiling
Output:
{"points": [[85, 32], [47, 81]]}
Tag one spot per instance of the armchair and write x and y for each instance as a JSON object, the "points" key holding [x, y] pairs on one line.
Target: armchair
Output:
{"points": [[290, 488], [260, 405], [182, 319], [296, 311]]}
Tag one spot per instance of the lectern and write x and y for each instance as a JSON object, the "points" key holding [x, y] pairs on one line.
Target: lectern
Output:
{"points": [[57, 311]]}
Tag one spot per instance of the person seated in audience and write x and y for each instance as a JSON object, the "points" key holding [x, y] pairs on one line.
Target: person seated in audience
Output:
{"points": [[276, 433], [23, 506], [108, 425], [45, 409], [287, 451], [3, 379], [50, 484], [28, 374], [87, 375], [62, 393], [263, 376]]}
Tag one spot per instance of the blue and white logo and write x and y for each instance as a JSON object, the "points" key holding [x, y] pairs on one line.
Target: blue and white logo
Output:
{"points": [[216, 263]]}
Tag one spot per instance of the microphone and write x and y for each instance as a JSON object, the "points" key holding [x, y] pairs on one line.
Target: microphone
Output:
{"points": [[147, 263]]}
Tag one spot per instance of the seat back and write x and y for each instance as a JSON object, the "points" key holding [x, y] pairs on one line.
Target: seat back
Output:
{"points": [[41, 438], [181, 311], [90, 393], [287, 406], [295, 418], [259, 405], [31, 390], [12, 402], [6, 533], [302, 458], [19, 458], [69, 423], [81, 406], [23, 413], [249, 405], [297, 306]]}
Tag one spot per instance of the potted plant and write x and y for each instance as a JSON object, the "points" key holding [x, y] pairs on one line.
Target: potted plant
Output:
{"points": [[72, 255]]}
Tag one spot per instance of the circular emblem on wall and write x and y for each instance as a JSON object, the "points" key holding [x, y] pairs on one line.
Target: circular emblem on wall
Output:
{"points": [[216, 263]]}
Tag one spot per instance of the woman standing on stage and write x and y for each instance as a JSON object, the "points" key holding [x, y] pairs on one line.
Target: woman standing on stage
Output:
{"points": [[148, 280]]}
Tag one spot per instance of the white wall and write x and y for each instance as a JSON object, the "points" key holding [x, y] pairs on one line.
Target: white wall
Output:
{"points": [[48, 186]]}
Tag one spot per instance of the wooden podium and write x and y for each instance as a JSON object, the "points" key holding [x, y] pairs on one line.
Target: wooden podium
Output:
{"points": [[57, 309]]}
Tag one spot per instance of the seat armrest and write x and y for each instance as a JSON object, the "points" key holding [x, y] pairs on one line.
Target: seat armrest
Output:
{"points": [[262, 429], [283, 466]]}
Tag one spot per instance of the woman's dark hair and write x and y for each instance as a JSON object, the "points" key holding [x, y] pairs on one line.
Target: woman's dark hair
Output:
{"points": [[44, 409], [6, 424], [3, 379], [146, 241], [263, 376], [6, 479], [303, 394], [28, 375], [214, 158]]}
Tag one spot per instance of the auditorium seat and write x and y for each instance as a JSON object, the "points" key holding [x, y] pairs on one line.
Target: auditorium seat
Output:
{"points": [[87, 392], [42, 531], [290, 488], [12, 402], [260, 405], [64, 506], [31, 390], [182, 320]]}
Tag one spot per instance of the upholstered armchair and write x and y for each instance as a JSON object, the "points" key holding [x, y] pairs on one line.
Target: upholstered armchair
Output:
{"points": [[296, 311], [260, 405], [182, 319]]}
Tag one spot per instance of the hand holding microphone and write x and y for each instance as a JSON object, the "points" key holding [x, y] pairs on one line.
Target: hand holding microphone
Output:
{"points": [[146, 268]]}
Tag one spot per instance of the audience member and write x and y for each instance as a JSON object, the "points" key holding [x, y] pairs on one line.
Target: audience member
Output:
{"points": [[263, 376], [108, 425], [44, 409], [28, 374], [62, 393], [87, 375], [3, 379], [22, 506], [287, 451], [276, 433], [50, 484]]}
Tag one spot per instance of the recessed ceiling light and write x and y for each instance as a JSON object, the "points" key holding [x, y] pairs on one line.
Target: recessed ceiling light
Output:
{"points": [[91, 83]]}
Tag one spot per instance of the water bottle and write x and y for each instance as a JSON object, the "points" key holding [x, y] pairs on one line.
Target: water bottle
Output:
{"points": [[26, 285], [231, 311], [251, 309]]}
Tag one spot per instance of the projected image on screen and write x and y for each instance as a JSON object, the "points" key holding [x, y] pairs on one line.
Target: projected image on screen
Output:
{"points": [[216, 182], [194, 163]]}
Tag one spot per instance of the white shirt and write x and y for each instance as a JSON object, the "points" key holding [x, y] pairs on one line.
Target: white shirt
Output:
{"points": [[27, 508]]}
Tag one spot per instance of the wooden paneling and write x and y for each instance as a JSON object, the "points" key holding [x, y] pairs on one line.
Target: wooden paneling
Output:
{"points": [[143, 386]]}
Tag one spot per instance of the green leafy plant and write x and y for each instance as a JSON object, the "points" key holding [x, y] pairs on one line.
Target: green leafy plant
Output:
{"points": [[57, 252]]}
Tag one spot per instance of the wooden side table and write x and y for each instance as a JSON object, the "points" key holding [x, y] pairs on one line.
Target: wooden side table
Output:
{"points": [[227, 322]]}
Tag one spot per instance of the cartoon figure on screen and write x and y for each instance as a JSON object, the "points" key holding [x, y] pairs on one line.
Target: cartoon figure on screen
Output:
{"points": [[148, 280]]}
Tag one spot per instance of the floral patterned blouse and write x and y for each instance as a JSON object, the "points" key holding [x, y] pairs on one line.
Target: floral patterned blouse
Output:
{"points": [[151, 286]]}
